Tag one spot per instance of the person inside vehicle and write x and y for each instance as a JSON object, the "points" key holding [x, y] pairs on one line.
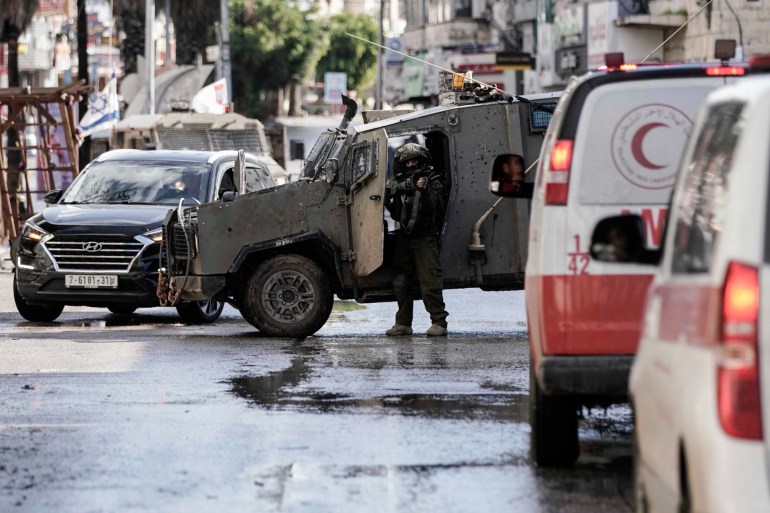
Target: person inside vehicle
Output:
{"points": [[510, 173], [415, 198]]}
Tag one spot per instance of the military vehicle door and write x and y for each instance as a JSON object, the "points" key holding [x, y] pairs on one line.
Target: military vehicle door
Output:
{"points": [[369, 169]]}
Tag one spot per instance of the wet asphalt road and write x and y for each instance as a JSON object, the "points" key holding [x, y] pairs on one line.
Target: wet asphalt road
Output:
{"points": [[103, 413]]}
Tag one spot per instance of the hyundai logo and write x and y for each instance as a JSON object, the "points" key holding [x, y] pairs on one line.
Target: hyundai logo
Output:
{"points": [[92, 247]]}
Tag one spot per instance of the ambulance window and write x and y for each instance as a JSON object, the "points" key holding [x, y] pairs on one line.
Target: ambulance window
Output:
{"points": [[699, 211]]}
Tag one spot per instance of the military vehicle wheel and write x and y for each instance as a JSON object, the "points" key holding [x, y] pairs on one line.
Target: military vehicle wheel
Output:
{"points": [[121, 309], [35, 313], [553, 419], [200, 312], [288, 296]]}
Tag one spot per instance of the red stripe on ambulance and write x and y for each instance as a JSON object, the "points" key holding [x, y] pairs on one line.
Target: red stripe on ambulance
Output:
{"points": [[588, 314]]}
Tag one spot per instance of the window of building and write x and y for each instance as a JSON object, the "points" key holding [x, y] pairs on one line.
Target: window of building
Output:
{"points": [[463, 8], [296, 150]]}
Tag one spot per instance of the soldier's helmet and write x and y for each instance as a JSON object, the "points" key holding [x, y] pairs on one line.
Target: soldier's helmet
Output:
{"points": [[410, 158]]}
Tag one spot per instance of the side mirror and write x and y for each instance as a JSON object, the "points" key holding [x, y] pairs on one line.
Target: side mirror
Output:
{"points": [[228, 196], [53, 196], [509, 176], [331, 168], [510, 189], [621, 239]]}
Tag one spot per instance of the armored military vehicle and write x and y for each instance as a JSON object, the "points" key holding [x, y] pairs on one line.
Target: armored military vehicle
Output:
{"points": [[280, 255]]}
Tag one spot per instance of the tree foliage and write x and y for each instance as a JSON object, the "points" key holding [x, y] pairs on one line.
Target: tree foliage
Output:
{"points": [[129, 17], [16, 15], [275, 44], [347, 54], [193, 26]]}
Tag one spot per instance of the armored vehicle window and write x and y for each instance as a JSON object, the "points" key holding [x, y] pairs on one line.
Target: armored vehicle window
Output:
{"points": [[319, 155], [362, 162], [540, 115]]}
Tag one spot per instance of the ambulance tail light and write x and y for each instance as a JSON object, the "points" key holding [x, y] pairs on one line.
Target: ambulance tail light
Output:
{"points": [[557, 177], [738, 395], [726, 71]]}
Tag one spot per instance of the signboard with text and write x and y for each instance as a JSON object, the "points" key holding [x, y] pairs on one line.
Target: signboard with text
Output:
{"points": [[335, 85], [514, 60]]}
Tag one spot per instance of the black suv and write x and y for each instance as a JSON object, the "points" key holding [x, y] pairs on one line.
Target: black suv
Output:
{"points": [[97, 244]]}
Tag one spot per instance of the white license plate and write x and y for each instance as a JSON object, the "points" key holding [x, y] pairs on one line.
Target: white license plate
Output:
{"points": [[91, 281]]}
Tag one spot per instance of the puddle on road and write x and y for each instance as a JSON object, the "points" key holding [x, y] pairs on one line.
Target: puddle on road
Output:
{"points": [[91, 324], [280, 390]]}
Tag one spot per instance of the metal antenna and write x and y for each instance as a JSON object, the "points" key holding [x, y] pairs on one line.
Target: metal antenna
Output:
{"points": [[428, 63]]}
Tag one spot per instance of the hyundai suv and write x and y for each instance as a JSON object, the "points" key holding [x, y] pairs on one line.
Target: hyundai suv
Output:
{"points": [[97, 244]]}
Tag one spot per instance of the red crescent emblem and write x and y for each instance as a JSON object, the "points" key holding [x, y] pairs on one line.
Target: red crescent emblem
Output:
{"points": [[636, 146]]}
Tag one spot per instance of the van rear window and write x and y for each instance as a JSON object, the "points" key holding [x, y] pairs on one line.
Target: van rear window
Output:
{"points": [[630, 137]]}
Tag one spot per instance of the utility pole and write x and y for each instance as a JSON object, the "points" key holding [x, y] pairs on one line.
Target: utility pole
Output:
{"points": [[149, 52], [83, 74], [167, 36], [218, 33], [227, 70], [381, 41]]}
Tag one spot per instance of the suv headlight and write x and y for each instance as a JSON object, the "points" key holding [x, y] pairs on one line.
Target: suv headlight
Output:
{"points": [[33, 232], [155, 235]]}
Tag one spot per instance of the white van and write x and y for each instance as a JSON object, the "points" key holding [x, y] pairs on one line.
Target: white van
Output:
{"points": [[700, 385], [613, 146]]}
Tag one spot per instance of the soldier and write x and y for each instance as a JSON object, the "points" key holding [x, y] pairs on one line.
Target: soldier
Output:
{"points": [[416, 200]]}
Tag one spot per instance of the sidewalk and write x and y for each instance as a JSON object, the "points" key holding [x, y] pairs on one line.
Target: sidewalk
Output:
{"points": [[5, 257]]}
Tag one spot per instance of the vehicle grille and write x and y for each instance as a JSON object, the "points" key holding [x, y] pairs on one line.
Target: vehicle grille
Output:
{"points": [[181, 247], [94, 253]]}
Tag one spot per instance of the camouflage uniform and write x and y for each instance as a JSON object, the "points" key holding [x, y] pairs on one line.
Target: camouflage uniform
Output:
{"points": [[420, 212]]}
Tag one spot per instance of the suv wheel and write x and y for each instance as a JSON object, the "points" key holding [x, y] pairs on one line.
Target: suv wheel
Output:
{"points": [[288, 296], [35, 313], [554, 437], [200, 312]]}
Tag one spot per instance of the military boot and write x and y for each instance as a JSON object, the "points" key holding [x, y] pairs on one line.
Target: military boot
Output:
{"points": [[398, 331], [436, 330]]}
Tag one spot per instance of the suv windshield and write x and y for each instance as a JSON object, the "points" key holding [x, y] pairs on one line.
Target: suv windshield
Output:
{"points": [[157, 183]]}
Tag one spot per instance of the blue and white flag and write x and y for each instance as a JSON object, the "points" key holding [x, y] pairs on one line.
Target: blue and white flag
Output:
{"points": [[103, 109]]}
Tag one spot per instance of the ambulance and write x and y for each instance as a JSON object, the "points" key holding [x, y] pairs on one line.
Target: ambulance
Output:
{"points": [[699, 384], [613, 147]]}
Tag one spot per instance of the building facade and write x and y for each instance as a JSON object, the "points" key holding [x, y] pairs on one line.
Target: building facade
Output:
{"points": [[566, 37]]}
